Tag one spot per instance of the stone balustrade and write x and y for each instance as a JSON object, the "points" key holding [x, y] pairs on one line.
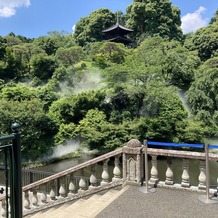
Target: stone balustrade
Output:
{"points": [[71, 184], [128, 168]]}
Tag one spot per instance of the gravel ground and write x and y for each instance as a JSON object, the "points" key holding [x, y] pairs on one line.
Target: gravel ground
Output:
{"points": [[163, 203]]}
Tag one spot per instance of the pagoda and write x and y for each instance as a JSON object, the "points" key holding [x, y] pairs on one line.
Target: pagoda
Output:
{"points": [[117, 33]]}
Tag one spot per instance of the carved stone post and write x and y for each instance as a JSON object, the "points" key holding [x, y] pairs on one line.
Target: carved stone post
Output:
{"points": [[124, 167], [202, 176], [44, 195], [217, 186], [105, 174], [169, 172], [52, 191], [134, 162], [3, 209], [26, 200], [72, 186], [93, 178], [35, 198], [62, 189], [116, 171], [185, 174], [154, 172], [82, 183]]}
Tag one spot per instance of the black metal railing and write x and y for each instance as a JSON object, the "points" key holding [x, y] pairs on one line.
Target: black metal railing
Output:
{"points": [[11, 151]]}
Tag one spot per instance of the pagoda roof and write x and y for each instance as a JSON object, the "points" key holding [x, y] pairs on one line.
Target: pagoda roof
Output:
{"points": [[120, 39], [117, 27]]}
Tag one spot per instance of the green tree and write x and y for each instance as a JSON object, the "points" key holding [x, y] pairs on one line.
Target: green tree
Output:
{"points": [[17, 93], [202, 95], [191, 131], [110, 52], [12, 67], [214, 19], [165, 110], [20, 92], [162, 60], [69, 56], [12, 39], [43, 67], [73, 108], [66, 131], [24, 52], [154, 17], [179, 64], [37, 129], [3, 43], [97, 133], [205, 41], [89, 29], [47, 43], [61, 39]]}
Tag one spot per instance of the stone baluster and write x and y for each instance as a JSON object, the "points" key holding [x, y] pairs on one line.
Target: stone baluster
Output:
{"points": [[154, 172], [52, 191], [26, 203], [72, 186], [62, 189], [217, 187], [202, 176], [3, 209], [124, 167], [44, 195], [35, 198], [185, 174], [9, 209], [169, 172], [138, 168], [117, 171], [82, 183], [105, 174], [93, 178]]}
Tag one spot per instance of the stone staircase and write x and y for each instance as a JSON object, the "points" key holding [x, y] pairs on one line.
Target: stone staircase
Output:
{"points": [[84, 207]]}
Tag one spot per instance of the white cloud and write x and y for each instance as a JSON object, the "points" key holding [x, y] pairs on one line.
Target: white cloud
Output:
{"points": [[193, 21], [8, 7]]}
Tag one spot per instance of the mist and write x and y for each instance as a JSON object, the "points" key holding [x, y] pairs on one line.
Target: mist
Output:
{"points": [[91, 80], [182, 97], [71, 146]]}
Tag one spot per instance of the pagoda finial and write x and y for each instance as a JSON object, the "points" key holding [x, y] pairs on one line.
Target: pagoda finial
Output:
{"points": [[117, 18]]}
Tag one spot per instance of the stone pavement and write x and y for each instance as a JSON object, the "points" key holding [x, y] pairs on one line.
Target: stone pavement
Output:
{"points": [[163, 203]]}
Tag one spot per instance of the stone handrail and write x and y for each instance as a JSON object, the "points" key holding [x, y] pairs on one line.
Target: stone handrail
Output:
{"points": [[64, 186], [181, 154], [73, 169], [185, 177]]}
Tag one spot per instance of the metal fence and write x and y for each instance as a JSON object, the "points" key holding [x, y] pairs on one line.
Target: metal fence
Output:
{"points": [[11, 153]]}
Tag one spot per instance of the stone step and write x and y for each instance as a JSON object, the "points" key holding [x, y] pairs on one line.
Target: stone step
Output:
{"points": [[103, 204], [52, 212], [92, 205], [82, 208]]}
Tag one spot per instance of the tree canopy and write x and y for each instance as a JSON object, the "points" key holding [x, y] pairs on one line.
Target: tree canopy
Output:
{"points": [[63, 86], [89, 29], [154, 17]]}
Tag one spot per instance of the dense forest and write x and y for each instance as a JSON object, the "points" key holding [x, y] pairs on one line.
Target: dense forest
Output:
{"points": [[78, 86]]}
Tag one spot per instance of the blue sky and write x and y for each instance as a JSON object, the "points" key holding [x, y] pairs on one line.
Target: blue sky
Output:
{"points": [[34, 18]]}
